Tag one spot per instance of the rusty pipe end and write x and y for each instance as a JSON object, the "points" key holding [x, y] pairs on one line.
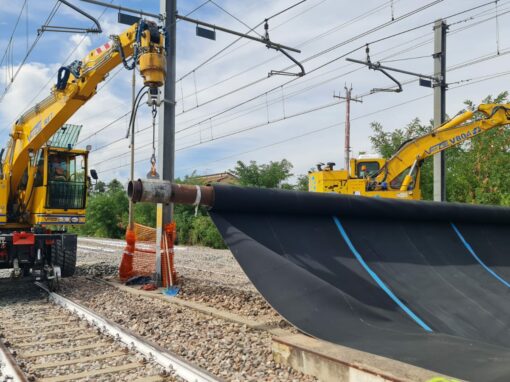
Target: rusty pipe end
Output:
{"points": [[135, 190], [150, 190], [164, 191]]}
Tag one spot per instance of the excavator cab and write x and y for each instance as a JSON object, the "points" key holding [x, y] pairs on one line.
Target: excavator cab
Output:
{"points": [[66, 180], [60, 187]]}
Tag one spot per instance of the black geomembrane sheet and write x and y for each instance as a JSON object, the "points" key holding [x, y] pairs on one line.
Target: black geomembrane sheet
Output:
{"points": [[420, 282]]}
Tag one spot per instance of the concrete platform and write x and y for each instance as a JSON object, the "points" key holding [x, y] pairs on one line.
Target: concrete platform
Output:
{"points": [[333, 363]]}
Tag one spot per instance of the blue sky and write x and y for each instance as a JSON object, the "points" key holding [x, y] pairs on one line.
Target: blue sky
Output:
{"points": [[294, 132]]}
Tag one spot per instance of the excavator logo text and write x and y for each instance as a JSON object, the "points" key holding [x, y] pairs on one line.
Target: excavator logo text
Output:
{"points": [[39, 125], [453, 141]]}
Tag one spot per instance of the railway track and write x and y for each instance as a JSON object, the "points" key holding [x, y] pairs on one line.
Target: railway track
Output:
{"points": [[46, 337]]}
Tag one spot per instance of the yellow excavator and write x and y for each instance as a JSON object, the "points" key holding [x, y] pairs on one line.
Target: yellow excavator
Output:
{"points": [[399, 176], [43, 187]]}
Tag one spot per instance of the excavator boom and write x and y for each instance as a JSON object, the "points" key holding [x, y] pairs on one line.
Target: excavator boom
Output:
{"points": [[76, 84], [399, 176], [451, 133]]}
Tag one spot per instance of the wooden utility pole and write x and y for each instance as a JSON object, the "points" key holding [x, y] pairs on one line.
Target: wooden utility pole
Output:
{"points": [[347, 146]]}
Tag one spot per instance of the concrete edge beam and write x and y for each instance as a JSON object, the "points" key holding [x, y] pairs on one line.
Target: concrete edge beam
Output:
{"points": [[330, 362]]}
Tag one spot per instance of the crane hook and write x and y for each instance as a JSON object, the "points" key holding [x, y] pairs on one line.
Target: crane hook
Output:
{"points": [[153, 174]]}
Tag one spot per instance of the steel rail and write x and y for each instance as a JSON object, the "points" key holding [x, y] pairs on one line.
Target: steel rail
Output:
{"points": [[152, 351], [10, 371]]}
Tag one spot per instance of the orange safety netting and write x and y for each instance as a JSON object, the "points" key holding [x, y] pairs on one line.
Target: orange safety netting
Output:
{"points": [[139, 257], [168, 273]]}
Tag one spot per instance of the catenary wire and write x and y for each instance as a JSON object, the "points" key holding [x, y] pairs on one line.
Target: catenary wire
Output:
{"points": [[479, 79], [470, 9], [460, 65], [29, 51]]}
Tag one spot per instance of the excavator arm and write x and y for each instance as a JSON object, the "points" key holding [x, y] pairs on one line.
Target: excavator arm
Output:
{"points": [[143, 42], [451, 133]]}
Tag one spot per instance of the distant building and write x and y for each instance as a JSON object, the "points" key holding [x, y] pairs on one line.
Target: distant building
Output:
{"points": [[222, 177]]}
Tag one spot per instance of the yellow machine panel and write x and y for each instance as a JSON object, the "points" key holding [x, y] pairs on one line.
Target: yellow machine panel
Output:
{"points": [[326, 181], [3, 201]]}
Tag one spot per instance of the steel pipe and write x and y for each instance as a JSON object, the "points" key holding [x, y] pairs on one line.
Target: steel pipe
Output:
{"points": [[165, 192]]}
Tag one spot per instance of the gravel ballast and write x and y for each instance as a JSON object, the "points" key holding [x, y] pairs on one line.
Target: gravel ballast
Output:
{"points": [[229, 350], [209, 276]]}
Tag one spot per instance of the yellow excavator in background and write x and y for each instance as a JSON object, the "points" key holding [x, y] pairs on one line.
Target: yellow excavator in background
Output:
{"points": [[399, 176], [43, 188]]}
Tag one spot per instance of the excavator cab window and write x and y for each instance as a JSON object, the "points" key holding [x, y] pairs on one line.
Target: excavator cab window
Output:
{"points": [[66, 181], [58, 170], [364, 169], [397, 181]]}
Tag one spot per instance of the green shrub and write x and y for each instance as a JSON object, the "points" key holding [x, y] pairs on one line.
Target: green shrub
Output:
{"points": [[204, 232]]}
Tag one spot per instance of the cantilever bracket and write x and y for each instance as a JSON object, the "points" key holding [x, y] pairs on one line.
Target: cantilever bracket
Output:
{"points": [[281, 72], [280, 49], [55, 28], [432, 81], [376, 66]]}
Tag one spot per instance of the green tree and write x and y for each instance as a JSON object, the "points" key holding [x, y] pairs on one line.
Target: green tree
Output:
{"points": [[204, 232], [107, 213], [477, 171], [387, 143], [115, 186], [302, 182], [270, 175], [145, 213], [99, 187], [194, 226]]}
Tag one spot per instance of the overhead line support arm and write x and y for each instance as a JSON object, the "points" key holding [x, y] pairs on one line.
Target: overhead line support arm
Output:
{"points": [[377, 65], [269, 43], [120, 8], [195, 21]]}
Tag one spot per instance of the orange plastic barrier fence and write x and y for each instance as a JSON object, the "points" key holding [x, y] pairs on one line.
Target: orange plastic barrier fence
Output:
{"points": [[139, 257]]}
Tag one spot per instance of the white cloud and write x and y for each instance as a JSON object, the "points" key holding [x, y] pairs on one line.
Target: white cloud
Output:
{"points": [[32, 77], [82, 44], [110, 26]]}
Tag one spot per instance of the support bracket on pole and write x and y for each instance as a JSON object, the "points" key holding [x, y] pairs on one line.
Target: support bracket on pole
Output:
{"points": [[264, 40], [433, 81], [56, 28], [279, 48], [376, 66], [284, 73]]}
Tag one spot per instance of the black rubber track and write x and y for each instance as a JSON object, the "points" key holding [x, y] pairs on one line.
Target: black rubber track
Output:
{"points": [[293, 251]]}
